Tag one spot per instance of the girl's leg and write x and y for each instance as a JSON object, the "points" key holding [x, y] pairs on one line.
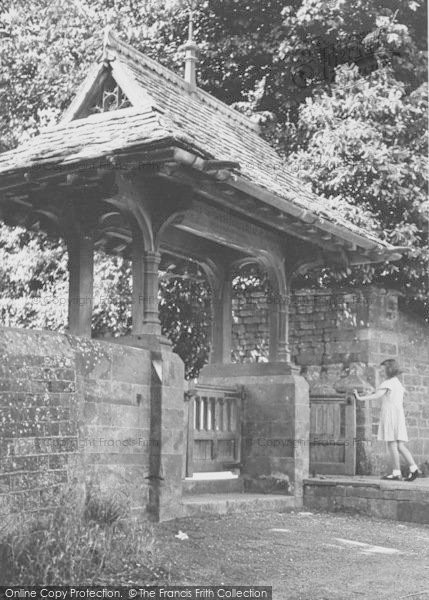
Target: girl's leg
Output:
{"points": [[407, 455], [394, 457]]}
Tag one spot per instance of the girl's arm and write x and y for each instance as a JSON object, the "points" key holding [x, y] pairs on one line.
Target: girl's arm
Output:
{"points": [[375, 396]]}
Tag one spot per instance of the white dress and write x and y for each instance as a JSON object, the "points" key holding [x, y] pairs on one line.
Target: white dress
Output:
{"points": [[392, 425]]}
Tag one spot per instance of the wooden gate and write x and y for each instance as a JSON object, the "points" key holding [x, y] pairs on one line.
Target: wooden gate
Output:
{"points": [[214, 429], [333, 435]]}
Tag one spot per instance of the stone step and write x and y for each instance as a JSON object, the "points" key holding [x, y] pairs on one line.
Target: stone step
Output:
{"points": [[213, 486], [222, 504], [368, 495]]}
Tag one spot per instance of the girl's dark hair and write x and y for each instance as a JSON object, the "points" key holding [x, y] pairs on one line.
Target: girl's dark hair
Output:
{"points": [[392, 367]]}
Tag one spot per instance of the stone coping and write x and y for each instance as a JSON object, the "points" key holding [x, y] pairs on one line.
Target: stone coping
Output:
{"points": [[212, 476], [420, 484]]}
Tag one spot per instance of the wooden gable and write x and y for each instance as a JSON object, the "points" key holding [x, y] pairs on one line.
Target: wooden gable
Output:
{"points": [[108, 86]]}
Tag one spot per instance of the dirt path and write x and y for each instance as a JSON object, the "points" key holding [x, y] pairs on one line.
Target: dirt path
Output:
{"points": [[303, 556]]}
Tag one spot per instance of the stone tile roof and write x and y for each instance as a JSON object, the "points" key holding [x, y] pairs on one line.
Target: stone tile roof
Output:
{"points": [[170, 112], [97, 136]]}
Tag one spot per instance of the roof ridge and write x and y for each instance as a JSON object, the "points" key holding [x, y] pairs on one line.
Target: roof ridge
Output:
{"points": [[113, 42]]}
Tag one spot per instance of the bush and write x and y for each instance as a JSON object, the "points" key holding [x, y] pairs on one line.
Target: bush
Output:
{"points": [[74, 547]]}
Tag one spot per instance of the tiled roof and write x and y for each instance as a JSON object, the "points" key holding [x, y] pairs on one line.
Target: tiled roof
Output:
{"points": [[171, 111], [94, 137]]}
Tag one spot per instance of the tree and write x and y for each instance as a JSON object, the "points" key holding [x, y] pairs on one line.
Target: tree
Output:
{"points": [[362, 140], [354, 134], [185, 315]]}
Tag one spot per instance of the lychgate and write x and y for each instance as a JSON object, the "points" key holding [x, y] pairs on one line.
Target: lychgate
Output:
{"points": [[146, 164]]}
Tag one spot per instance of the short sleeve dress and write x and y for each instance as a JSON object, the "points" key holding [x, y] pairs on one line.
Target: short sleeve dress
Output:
{"points": [[392, 425]]}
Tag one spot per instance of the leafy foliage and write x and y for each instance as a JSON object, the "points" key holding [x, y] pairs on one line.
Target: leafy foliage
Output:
{"points": [[337, 87], [363, 142], [33, 280], [185, 316]]}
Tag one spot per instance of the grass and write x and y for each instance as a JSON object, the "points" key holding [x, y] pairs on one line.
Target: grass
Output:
{"points": [[89, 545]]}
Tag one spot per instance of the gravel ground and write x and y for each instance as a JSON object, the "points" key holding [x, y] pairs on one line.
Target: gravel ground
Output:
{"points": [[311, 556]]}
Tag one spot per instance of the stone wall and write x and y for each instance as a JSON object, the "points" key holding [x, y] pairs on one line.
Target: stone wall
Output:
{"points": [[322, 327], [250, 328], [395, 334], [115, 441], [363, 327], [380, 499], [88, 413], [276, 414]]}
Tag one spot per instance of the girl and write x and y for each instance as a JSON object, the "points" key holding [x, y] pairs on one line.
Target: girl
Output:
{"points": [[392, 428]]}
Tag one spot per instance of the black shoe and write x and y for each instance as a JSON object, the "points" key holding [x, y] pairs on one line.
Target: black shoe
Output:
{"points": [[412, 475], [392, 477]]}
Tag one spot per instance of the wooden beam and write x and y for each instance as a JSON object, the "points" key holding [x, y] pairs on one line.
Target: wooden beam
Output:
{"points": [[26, 203], [109, 215], [183, 244], [284, 204], [206, 190], [121, 235]]}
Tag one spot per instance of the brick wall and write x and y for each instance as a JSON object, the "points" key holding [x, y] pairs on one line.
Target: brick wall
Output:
{"points": [[71, 410], [348, 327], [39, 437]]}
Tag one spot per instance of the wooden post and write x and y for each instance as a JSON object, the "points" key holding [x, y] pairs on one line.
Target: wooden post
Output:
{"points": [[222, 322], [273, 319], [138, 285], [279, 350], [350, 435], [81, 278], [151, 323]]}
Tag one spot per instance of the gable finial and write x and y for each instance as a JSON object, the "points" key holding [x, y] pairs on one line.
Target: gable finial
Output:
{"points": [[191, 53], [191, 26], [107, 31]]}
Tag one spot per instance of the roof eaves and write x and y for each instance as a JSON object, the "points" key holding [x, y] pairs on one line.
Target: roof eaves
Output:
{"points": [[325, 222]]}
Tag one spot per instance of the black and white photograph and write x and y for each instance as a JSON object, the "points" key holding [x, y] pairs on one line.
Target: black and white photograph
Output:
{"points": [[214, 300]]}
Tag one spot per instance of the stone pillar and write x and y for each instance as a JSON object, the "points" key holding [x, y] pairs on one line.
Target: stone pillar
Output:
{"points": [[151, 322], [275, 423], [167, 418], [138, 285], [222, 321], [81, 278]]}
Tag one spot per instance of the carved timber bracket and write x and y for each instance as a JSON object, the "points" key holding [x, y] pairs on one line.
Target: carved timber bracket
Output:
{"points": [[151, 206], [301, 267]]}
